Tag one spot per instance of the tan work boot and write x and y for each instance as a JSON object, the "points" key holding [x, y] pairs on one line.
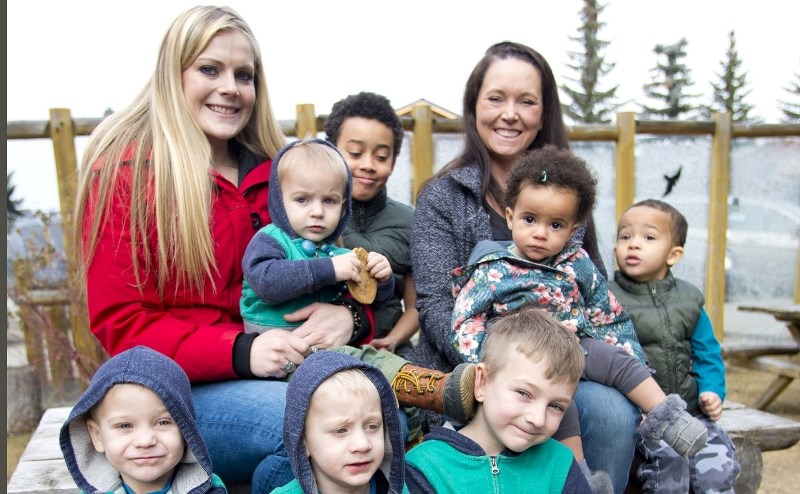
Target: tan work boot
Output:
{"points": [[450, 394]]}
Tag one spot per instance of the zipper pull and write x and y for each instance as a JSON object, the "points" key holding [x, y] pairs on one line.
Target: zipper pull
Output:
{"points": [[495, 468]]}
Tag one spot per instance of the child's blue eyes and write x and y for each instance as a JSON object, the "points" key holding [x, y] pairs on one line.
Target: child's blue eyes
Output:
{"points": [[369, 428], [327, 201]]}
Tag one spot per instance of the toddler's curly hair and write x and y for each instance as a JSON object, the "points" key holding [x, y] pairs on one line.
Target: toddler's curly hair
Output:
{"points": [[550, 166]]}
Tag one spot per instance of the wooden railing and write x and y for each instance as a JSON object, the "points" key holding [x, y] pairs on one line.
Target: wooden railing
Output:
{"points": [[62, 129]]}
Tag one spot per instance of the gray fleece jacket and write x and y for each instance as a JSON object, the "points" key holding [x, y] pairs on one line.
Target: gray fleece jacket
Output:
{"points": [[140, 365]]}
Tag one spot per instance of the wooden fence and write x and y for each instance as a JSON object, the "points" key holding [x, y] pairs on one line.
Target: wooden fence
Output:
{"points": [[62, 129]]}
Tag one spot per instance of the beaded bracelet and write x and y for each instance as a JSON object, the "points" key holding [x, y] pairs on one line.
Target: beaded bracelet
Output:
{"points": [[357, 318]]}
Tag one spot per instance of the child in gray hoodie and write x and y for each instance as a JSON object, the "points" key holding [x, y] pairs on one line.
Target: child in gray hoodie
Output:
{"points": [[133, 430], [341, 429]]}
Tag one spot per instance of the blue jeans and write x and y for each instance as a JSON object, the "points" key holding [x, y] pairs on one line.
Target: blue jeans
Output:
{"points": [[608, 430], [241, 422]]}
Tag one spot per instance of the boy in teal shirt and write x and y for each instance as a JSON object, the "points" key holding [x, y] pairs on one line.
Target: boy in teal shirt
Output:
{"points": [[526, 380]]}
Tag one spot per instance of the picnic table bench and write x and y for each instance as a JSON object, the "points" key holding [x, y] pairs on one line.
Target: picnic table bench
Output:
{"points": [[42, 469], [767, 357]]}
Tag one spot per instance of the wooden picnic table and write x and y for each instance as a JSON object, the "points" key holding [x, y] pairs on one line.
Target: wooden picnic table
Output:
{"points": [[785, 371], [788, 313]]}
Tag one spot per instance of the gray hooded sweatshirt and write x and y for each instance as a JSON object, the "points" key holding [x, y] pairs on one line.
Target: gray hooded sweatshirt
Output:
{"points": [[279, 276], [140, 365], [315, 370]]}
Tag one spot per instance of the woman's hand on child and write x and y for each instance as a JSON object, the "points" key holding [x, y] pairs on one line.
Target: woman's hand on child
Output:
{"points": [[711, 405], [346, 266], [325, 326], [378, 266], [273, 350]]}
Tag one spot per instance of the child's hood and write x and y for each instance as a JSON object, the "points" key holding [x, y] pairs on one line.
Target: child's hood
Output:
{"points": [[140, 365], [309, 375], [277, 210]]}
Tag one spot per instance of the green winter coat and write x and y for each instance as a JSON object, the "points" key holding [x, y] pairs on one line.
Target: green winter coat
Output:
{"points": [[383, 225], [665, 314]]}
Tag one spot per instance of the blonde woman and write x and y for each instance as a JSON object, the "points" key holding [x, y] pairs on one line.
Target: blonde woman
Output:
{"points": [[172, 189]]}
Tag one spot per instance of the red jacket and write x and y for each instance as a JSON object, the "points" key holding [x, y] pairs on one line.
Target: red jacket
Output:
{"points": [[196, 329]]}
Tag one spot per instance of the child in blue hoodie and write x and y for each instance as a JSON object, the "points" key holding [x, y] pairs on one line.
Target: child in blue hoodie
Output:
{"points": [[341, 429], [294, 261], [133, 430]]}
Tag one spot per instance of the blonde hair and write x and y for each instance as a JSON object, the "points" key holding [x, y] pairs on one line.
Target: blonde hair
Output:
{"points": [[351, 381], [537, 335], [170, 160], [308, 156]]}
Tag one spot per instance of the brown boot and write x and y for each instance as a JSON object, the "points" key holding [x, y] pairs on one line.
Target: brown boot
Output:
{"points": [[451, 394]]}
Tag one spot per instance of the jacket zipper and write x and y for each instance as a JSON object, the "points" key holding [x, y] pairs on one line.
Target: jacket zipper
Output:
{"points": [[362, 217], [669, 359]]}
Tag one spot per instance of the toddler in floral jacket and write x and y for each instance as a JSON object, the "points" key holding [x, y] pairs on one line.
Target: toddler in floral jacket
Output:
{"points": [[550, 192]]}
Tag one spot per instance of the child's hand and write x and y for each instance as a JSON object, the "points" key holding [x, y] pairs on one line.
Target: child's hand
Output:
{"points": [[387, 343], [346, 266], [378, 266], [711, 405]]}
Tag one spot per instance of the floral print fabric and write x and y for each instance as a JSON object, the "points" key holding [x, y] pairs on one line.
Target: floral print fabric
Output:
{"points": [[568, 286]]}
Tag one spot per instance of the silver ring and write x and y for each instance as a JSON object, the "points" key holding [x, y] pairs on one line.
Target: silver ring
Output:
{"points": [[314, 349], [289, 367]]}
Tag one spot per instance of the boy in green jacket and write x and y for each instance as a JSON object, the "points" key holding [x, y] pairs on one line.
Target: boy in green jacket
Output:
{"points": [[676, 335]]}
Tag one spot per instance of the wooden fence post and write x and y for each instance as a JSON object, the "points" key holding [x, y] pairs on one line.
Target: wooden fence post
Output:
{"points": [[306, 121], [34, 340], [626, 162], [797, 276], [421, 147], [62, 133], [718, 189]]}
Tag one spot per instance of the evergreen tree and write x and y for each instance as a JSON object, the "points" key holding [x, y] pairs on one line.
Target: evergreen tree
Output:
{"points": [[13, 210], [669, 83], [729, 92], [791, 109], [589, 103]]}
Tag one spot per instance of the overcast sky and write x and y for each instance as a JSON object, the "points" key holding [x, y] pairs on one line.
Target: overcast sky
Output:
{"points": [[89, 55]]}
